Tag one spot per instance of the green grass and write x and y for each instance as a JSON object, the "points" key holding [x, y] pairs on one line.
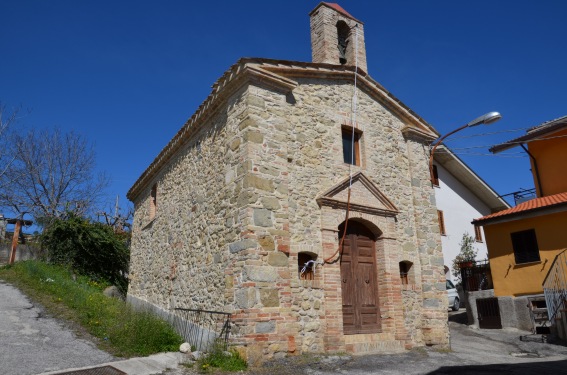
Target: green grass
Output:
{"points": [[122, 330], [223, 360]]}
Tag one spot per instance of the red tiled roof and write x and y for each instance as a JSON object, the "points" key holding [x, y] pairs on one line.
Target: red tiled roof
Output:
{"points": [[533, 133], [338, 8], [531, 205]]}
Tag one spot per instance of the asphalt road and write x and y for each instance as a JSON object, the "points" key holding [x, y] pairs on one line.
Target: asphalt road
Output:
{"points": [[31, 343]]}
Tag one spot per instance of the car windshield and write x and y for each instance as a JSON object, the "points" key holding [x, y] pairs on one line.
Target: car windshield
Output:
{"points": [[450, 285]]}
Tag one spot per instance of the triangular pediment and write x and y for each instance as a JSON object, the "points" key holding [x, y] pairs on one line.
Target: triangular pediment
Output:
{"points": [[364, 197]]}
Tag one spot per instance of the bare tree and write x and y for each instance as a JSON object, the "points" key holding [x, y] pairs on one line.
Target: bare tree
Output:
{"points": [[120, 220], [7, 120], [55, 175]]}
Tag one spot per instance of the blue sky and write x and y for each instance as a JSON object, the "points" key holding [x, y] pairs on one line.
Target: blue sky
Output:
{"points": [[128, 74]]}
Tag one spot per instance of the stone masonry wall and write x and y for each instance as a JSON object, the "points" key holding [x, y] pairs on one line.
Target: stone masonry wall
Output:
{"points": [[180, 257], [237, 205], [298, 158], [434, 311]]}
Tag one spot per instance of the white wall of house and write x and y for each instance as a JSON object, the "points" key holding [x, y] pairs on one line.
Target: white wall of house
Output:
{"points": [[460, 206]]}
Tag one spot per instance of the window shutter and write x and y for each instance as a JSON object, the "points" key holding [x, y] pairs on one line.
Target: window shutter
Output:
{"points": [[525, 246], [441, 222]]}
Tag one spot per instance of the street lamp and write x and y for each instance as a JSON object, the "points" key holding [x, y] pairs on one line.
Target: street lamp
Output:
{"points": [[486, 119]]}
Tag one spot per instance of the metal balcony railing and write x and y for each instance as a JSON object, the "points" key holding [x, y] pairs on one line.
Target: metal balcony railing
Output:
{"points": [[555, 286], [202, 328], [476, 275]]}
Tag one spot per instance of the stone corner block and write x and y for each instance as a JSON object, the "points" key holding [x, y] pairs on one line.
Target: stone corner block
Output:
{"points": [[252, 181], [261, 273], [263, 217], [278, 259], [266, 327], [270, 297], [245, 298], [244, 244]]}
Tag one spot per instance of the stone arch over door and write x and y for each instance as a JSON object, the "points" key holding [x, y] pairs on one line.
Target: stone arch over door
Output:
{"points": [[370, 208], [359, 279]]}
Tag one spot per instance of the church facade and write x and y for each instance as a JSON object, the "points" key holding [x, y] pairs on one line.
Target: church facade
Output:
{"points": [[298, 199]]}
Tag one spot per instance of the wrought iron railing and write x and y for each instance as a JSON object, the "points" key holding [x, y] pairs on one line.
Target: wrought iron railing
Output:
{"points": [[476, 275], [202, 328], [521, 196], [555, 286]]}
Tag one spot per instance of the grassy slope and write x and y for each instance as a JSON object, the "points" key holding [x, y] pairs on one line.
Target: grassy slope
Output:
{"points": [[120, 330]]}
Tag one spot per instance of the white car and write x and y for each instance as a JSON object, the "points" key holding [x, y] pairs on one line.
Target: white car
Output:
{"points": [[454, 302]]}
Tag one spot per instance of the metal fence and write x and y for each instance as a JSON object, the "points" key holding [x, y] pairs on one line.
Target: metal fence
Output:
{"points": [[202, 328], [476, 276], [555, 286]]}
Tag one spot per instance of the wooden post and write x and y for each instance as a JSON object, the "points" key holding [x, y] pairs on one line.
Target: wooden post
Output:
{"points": [[15, 241]]}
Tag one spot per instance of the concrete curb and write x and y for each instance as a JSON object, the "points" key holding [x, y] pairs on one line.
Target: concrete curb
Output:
{"points": [[154, 364]]}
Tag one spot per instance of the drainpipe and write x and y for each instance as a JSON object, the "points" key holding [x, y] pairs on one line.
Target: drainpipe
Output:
{"points": [[536, 169]]}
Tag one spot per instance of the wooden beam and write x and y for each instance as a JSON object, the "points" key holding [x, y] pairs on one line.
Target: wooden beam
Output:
{"points": [[15, 241]]}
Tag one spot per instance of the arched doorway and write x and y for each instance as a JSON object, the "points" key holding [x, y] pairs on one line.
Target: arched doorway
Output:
{"points": [[359, 281]]}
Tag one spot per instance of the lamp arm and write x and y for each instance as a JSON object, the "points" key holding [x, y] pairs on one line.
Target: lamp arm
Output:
{"points": [[439, 141]]}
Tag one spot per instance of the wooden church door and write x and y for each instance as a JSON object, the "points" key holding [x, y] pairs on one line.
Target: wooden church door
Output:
{"points": [[361, 312]]}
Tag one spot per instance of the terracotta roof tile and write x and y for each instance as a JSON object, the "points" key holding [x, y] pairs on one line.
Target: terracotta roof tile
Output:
{"points": [[531, 205], [339, 9]]}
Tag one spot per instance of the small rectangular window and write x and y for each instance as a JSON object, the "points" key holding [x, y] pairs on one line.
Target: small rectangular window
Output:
{"points": [[435, 175], [404, 271], [351, 146], [441, 222], [306, 266], [525, 246], [153, 202], [477, 233]]}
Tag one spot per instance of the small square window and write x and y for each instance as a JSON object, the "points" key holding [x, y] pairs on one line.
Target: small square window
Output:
{"points": [[351, 145], [525, 246], [405, 268]]}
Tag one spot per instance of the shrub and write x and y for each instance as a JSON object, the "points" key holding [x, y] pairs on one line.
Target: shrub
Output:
{"points": [[91, 248], [467, 254], [222, 359]]}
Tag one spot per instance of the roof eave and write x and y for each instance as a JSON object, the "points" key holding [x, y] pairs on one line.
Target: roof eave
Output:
{"points": [[465, 175], [513, 216], [238, 75], [273, 73], [534, 133], [336, 8], [298, 69]]}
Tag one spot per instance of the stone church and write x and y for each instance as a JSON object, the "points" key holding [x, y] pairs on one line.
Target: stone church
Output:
{"points": [[297, 198]]}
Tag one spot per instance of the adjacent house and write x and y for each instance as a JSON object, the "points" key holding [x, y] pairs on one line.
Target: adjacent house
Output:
{"points": [[298, 199], [524, 240], [461, 195]]}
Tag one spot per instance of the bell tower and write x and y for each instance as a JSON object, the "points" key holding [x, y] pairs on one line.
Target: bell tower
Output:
{"points": [[336, 36]]}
